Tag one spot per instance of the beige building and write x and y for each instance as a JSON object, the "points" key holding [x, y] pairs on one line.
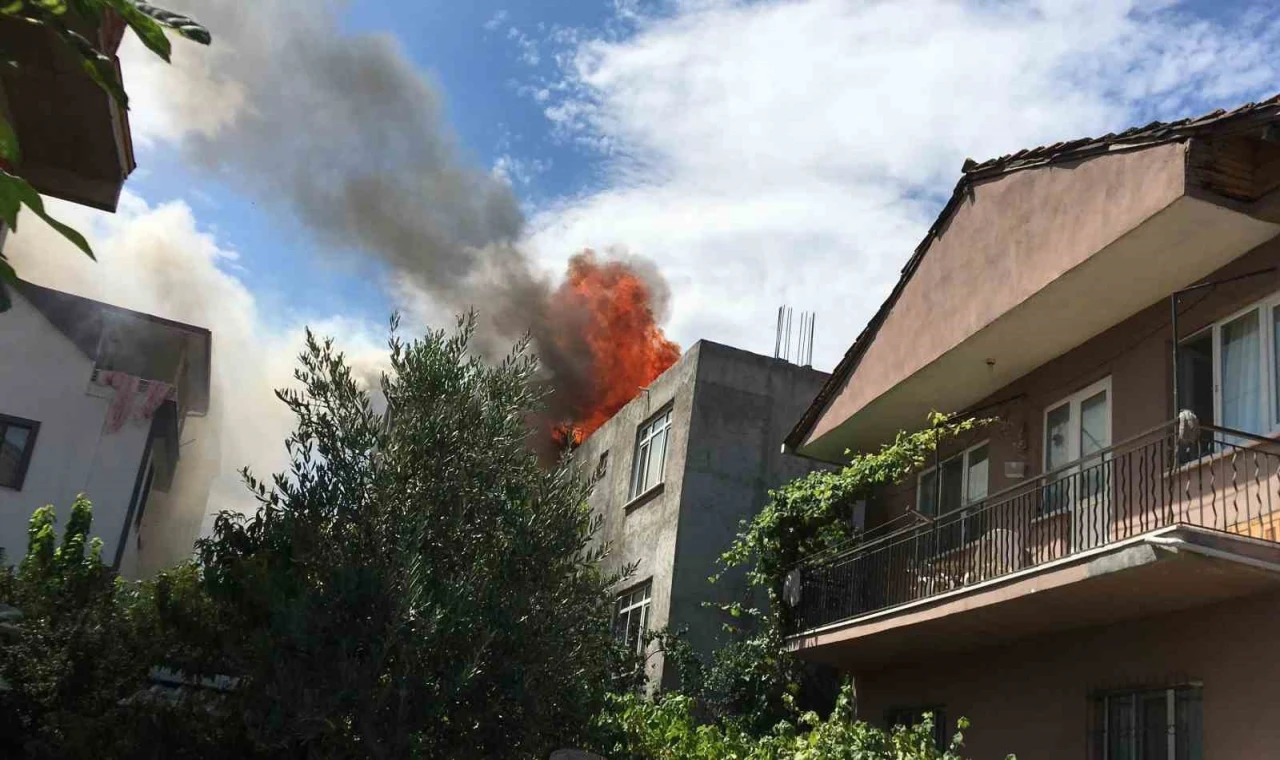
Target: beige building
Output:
{"points": [[1083, 578]]}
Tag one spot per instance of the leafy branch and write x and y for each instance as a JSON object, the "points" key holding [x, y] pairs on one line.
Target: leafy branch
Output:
{"points": [[59, 17]]}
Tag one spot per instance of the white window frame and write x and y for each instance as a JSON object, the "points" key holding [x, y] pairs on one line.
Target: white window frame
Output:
{"points": [[964, 479], [658, 424], [1270, 405], [1075, 400], [645, 608]]}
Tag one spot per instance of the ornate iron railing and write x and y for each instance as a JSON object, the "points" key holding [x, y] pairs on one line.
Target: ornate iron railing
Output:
{"points": [[1219, 479]]}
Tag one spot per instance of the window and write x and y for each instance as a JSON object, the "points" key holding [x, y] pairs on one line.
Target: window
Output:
{"points": [[964, 482], [17, 441], [631, 616], [1149, 724], [914, 716], [1229, 372], [602, 465], [651, 453], [1078, 429]]}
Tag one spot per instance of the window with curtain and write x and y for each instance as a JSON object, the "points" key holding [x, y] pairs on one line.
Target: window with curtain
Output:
{"points": [[1240, 373], [1229, 372]]}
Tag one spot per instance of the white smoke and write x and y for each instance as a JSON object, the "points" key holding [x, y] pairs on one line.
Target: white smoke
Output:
{"points": [[157, 260]]}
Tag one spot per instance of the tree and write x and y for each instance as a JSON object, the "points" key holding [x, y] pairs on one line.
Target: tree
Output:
{"points": [[70, 653], [417, 584], [59, 18]]}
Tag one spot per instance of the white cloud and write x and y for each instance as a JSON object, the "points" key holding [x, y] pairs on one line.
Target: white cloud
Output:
{"points": [[157, 259], [495, 21], [796, 151]]}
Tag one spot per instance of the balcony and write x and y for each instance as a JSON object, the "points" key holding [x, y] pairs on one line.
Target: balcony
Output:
{"points": [[1145, 526]]}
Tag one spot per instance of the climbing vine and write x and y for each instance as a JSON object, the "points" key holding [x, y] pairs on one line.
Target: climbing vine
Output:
{"points": [[814, 513]]}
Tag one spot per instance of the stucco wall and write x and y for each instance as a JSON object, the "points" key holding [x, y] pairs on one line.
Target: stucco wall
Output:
{"points": [[45, 378], [1135, 354], [1009, 239], [1033, 698]]}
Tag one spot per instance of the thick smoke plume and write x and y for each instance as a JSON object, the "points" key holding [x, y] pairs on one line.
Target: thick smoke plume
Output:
{"points": [[345, 134]]}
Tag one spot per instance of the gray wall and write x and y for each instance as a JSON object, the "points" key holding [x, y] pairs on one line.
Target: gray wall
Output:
{"points": [[731, 410], [744, 405]]}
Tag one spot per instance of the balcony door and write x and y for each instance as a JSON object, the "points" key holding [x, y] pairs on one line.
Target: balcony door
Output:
{"points": [[1077, 432]]}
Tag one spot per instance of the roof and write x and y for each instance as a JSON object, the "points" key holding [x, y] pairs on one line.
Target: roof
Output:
{"points": [[82, 321], [973, 172]]}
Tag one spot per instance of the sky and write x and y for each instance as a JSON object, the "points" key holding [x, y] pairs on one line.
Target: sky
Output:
{"points": [[756, 153]]}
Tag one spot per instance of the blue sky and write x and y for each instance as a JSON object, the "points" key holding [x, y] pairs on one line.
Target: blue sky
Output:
{"points": [[487, 58], [755, 153]]}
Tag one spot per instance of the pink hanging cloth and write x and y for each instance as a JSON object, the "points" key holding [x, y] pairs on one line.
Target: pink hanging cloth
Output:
{"points": [[126, 387], [155, 395]]}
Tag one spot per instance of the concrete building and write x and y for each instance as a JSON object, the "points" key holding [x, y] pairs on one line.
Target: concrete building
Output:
{"points": [[1097, 575], [93, 399], [682, 464]]}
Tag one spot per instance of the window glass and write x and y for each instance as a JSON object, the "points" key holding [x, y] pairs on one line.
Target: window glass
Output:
{"points": [[14, 440], [1149, 724], [631, 616], [1240, 367], [929, 493], [976, 482], [1057, 446], [651, 454]]}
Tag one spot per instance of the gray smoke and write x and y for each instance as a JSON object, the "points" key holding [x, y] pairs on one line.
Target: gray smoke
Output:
{"points": [[345, 134]]}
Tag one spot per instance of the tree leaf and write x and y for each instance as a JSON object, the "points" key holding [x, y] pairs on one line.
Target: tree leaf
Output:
{"points": [[9, 151], [17, 189], [151, 33], [184, 25], [10, 199]]}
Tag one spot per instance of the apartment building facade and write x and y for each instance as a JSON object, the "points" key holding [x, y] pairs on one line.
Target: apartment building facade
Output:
{"points": [[1095, 574], [94, 399], [680, 467]]}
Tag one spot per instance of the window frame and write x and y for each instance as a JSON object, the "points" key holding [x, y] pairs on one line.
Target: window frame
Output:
{"points": [[1100, 748], [964, 479], [646, 433], [24, 462], [623, 612], [1267, 309], [915, 713]]}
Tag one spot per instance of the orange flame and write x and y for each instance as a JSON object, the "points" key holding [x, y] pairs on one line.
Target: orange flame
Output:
{"points": [[628, 349]]}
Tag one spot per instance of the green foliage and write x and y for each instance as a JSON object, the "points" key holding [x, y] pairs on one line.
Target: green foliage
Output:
{"points": [[416, 585], [75, 650], [638, 729], [814, 513], [753, 682], [62, 19]]}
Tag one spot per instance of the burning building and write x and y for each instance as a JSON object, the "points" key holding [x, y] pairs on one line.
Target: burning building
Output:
{"points": [[680, 466]]}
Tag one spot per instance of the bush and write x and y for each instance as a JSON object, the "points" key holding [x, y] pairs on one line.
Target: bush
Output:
{"points": [[637, 729]]}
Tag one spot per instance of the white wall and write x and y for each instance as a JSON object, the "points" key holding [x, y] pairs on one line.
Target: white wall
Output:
{"points": [[44, 377]]}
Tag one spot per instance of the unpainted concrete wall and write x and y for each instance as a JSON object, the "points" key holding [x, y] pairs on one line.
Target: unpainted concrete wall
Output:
{"points": [[744, 405], [731, 410]]}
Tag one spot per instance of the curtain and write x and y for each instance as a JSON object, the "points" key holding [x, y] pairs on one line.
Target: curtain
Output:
{"points": [[1241, 374]]}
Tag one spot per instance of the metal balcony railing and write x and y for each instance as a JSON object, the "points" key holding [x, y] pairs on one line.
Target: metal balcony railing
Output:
{"points": [[1218, 479]]}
